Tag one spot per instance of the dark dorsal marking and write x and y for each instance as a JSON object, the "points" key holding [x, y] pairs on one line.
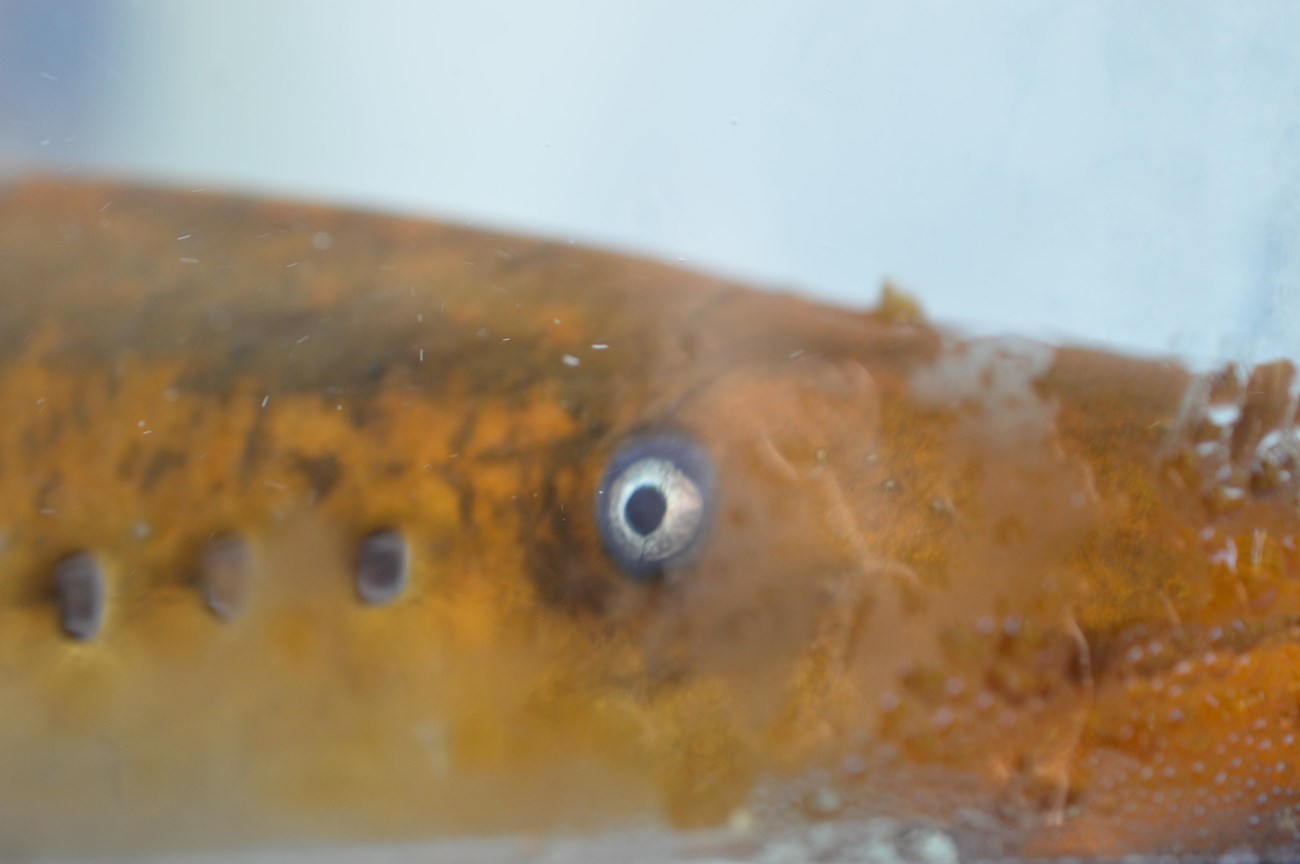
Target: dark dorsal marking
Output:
{"points": [[381, 567], [321, 472], [79, 582], [225, 572]]}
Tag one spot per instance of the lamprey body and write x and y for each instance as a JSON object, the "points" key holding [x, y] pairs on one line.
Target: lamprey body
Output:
{"points": [[318, 525]]}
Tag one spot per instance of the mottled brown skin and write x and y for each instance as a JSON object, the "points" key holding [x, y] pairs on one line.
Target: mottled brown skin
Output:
{"points": [[945, 577]]}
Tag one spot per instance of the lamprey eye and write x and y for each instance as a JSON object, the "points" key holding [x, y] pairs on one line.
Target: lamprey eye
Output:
{"points": [[655, 504]]}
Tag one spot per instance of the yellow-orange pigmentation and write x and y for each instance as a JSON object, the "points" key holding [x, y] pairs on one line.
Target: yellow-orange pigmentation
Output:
{"points": [[335, 476]]}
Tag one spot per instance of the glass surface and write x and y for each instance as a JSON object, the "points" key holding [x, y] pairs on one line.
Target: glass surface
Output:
{"points": [[1118, 175]]}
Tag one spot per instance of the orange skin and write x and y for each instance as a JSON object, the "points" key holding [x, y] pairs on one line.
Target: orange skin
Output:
{"points": [[1055, 587]]}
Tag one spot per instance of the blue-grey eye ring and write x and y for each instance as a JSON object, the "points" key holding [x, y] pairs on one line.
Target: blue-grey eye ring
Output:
{"points": [[655, 504]]}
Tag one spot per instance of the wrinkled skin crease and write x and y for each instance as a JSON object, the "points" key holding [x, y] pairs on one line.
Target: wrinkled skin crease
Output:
{"points": [[1043, 599]]}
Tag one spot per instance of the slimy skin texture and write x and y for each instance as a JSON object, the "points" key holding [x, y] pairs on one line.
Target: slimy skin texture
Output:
{"points": [[1045, 599]]}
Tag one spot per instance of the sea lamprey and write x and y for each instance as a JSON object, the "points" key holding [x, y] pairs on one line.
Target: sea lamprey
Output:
{"points": [[322, 525]]}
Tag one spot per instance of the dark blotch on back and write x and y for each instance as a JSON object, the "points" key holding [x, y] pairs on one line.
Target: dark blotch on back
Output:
{"points": [[79, 583], [322, 472], [381, 567], [161, 462]]}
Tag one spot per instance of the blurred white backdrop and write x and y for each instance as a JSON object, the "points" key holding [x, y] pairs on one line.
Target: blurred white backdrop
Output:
{"points": [[1110, 171]]}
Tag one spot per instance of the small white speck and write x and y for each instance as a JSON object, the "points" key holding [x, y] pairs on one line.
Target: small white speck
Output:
{"points": [[265, 400], [570, 360], [1223, 415], [291, 264], [421, 355], [1227, 555], [338, 407], [599, 346], [277, 486], [556, 320], [106, 206], [302, 339], [322, 240], [185, 237], [189, 260], [419, 317], [41, 401], [46, 142], [505, 338], [49, 77], [793, 354]]}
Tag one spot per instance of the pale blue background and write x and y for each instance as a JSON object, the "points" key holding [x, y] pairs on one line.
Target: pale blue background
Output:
{"points": [[1125, 172]]}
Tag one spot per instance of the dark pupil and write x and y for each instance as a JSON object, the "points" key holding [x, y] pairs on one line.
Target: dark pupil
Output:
{"points": [[645, 510]]}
